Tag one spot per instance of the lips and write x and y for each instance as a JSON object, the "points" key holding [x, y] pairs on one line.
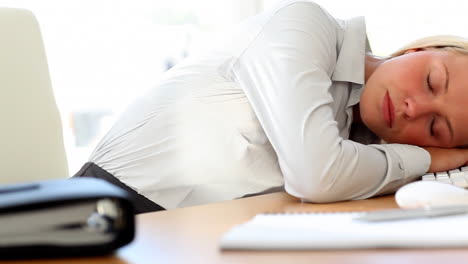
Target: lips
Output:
{"points": [[388, 110]]}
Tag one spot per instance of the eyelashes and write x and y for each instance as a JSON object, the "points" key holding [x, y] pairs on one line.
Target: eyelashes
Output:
{"points": [[428, 81], [431, 127], [431, 89]]}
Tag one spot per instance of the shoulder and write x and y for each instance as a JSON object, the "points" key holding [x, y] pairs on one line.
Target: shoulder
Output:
{"points": [[309, 30], [307, 17], [303, 8], [304, 27]]}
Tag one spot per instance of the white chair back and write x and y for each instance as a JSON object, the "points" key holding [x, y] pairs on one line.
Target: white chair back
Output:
{"points": [[31, 140]]}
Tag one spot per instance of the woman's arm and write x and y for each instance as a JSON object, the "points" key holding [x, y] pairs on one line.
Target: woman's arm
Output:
{"points": [[286, 74], [444, 159]]}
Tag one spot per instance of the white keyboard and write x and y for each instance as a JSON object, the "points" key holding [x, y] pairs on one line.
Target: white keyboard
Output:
{"points": [[458, 177]]}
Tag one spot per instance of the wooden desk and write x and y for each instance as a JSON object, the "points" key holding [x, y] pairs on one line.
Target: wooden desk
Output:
{"points": [[191, 235]]}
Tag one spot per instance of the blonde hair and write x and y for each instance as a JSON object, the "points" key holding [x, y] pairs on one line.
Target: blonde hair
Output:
{"points": [[446, 42]]}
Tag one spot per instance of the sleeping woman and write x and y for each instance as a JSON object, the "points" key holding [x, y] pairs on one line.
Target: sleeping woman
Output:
{"points": [[292, 99]]}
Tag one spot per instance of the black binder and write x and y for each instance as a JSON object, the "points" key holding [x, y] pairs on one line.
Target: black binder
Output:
{"points": [[63, 218]]}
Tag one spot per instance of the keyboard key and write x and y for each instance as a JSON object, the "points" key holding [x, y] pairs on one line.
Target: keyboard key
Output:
{"points": [[454, 171], [429, 177], [465, 173], [458, 179], [441, 174], [443, 177]]}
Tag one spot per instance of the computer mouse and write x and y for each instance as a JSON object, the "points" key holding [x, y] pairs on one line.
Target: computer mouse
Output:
{"points": [[430, 193]]}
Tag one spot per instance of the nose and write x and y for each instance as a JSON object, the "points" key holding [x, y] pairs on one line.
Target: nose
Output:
{"points": [[414, 108]]}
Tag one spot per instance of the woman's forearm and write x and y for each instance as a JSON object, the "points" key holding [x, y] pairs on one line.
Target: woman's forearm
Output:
{"points": [[444, 159]]}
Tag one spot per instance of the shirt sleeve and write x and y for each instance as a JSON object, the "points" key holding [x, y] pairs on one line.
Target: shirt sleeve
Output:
{"points": [[286, 74]]}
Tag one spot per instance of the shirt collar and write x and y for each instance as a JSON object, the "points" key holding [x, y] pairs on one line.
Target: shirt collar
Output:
{"points": [[350, 64]]}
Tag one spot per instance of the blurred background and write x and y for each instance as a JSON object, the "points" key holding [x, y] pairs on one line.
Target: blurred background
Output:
{"points": [[104, 53]]}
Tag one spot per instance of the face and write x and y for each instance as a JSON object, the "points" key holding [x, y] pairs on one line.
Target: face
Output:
{"points": [[419, 98]]}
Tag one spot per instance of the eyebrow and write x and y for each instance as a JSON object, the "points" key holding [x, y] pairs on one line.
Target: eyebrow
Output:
{"points": [[446, 90]]}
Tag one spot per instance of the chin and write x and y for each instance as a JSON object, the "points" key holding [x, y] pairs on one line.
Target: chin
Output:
{"points": [[371, 125], [385, 138]]}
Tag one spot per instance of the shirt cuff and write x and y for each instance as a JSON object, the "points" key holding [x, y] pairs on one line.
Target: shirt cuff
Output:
{"points": [[406, 163], [415, 161]]}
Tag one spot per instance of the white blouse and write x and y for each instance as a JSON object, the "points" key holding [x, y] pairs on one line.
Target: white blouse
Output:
{"points": [[270, 105]]}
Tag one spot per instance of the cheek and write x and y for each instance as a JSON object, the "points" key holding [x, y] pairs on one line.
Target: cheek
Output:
{"points": [[403, 78], [370, 101], [412, 134], [407, 85], [408, 80]]}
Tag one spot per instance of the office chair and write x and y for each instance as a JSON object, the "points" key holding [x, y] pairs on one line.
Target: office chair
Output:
{"points": [[31, 140]]}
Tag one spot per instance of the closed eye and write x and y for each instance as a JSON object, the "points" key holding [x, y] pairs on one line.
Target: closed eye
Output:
{"points": [[429, 86], [431, 127]]}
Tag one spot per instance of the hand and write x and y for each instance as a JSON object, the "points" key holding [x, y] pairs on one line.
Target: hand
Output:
{"points": [[444, 159]]}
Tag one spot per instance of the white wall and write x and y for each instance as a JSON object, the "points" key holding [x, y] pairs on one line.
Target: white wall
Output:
{"points": [[391, 24]]}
